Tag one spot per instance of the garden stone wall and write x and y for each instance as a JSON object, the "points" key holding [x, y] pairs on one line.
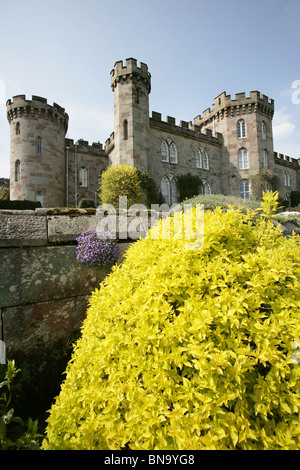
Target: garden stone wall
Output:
{"points": [[44, 290]]}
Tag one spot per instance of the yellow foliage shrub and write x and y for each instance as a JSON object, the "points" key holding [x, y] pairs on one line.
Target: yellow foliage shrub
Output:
{"points": [[120, 180], [186, 349]]}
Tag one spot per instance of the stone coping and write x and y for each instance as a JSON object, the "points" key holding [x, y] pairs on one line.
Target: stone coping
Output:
{"points": [[44, 226]]}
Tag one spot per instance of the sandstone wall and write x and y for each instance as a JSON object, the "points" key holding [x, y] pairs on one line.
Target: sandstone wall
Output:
{"points": [[44, 290]]}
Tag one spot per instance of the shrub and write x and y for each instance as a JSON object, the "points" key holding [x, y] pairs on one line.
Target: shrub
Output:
{"points": [[86, 203], [97, 249], [19, 205], [119, 181], [4, 193], [186, 349], [295, 198], [30, 438], [188, 186], [211, 201], [151, 193]]}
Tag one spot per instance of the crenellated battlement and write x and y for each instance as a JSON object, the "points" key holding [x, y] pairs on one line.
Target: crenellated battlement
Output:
{"points": [[37, 107], [224, 106], [84, 146], [285, 160], [185, 128], [130, 71]]}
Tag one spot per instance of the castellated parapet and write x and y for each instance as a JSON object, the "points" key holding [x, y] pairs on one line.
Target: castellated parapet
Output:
{"points": [[130, 72], [37, 141], [184, 129], [224, 107]]}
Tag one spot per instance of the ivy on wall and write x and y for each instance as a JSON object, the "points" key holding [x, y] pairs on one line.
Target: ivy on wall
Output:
{"points": [[188, 185], [264, 180]]}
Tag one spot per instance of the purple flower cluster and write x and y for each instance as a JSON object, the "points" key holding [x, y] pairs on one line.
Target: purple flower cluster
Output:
{"points": [[97, 249]]}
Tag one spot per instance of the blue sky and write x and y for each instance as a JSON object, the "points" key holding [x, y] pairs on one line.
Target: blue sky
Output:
{"points": [[64, 51]]}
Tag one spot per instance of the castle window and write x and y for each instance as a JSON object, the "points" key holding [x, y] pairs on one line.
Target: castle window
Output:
{"points": [[206, 187], [17, 171], [198, 159], [264, 131], [165, 189], [39, 197], [174, 196], [205, 160], [18, 128], [169, 189], [39, 146], [125, 129], [265, 155], [287, 180], [164, 151], [243, 159], [173, 153], [83, 177], [202, 159], [241, 128], [244, 189]]}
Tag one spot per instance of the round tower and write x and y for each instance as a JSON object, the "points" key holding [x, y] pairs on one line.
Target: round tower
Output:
{"points": [[131, 86], [37, 150]]}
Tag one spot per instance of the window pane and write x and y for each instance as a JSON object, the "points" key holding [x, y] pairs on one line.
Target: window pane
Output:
{"points": [[164, 152], [243, 159], [173, 153], [165, 189], [174, 191], [39, 145], [244, 189], [198, 159]]}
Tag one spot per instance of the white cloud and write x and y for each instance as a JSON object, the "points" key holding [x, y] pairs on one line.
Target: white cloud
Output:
{"points": [[282, 125]]}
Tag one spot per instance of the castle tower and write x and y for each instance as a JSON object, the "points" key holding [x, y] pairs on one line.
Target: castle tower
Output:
{"points": [[246, 126], [37, 150], [131, 86]]}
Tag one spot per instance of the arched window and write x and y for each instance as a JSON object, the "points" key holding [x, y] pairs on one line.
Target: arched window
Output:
{"points": [[243, 159], [125, 129], [244, 189], [83, 177], [198, 159], [168, 151], [265, 157], [287, 179], [39, 197], [39, 145], [264, 131], [164, 151], [169, 189], [18, 128], [202, 159], [241, 128], [173, 153], [206, 187], [205, 160], [174, 195], [165, 189], [17, 171]]}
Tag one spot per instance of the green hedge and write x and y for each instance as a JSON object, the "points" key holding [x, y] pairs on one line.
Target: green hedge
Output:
{"points": [[20, 205]]}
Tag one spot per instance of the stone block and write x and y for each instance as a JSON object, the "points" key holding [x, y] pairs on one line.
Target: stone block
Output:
{"points": [[28, 328], [22, 230]]}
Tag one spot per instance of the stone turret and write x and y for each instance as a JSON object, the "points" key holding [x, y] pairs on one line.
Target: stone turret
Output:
{"points": [[246, 126], [37, 150], [131, 86]]}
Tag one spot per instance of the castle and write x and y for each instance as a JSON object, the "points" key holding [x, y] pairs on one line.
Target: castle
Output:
{"points": [[227, 146]]}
